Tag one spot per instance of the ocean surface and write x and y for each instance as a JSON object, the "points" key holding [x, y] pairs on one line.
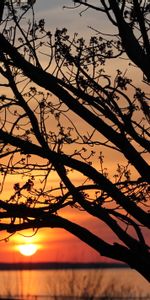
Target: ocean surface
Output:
{"points": [[42, 284]]}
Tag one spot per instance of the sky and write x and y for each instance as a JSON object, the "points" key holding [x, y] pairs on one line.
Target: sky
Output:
{"points": [[58, 17], [57, 244]]}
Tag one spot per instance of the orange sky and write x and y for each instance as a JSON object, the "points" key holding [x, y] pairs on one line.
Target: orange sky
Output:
{"points": [[53, 245], [57, 244]]}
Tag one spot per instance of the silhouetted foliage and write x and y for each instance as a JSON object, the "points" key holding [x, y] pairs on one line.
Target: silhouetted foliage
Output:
{"points": [[62, 112]]}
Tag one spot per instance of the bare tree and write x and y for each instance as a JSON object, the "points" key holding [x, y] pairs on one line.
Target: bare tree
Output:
{"points": [[51, 87]]}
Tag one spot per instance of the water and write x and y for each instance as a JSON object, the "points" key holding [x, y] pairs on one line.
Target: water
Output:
{"points": [[72, 282]]}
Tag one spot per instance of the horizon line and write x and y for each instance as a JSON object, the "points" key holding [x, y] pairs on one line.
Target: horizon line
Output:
{"points": [[58, 265]]}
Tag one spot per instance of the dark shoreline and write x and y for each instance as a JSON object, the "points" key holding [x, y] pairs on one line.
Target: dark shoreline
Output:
{"points": [[58, 266]]}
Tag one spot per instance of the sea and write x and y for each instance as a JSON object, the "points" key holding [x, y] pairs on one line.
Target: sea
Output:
{"points": [[119, 283]]}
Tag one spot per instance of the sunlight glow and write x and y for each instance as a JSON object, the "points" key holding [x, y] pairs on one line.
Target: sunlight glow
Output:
{"points": [[27, 249]]}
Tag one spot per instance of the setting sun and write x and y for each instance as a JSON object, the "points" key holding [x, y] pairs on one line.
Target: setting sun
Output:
{"points": [[27, 249]]}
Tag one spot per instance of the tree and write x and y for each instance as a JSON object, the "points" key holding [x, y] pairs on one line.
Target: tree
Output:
{"points": [[52, 86]]}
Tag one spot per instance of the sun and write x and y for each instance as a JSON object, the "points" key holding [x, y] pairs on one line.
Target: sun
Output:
{"points": [[27, 249]]}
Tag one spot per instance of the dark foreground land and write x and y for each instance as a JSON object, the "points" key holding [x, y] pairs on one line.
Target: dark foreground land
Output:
{"points": [[58, 265]]}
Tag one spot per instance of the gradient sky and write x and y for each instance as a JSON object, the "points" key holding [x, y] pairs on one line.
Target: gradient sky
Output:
{"points": [[56, 244], [58, 17]]}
